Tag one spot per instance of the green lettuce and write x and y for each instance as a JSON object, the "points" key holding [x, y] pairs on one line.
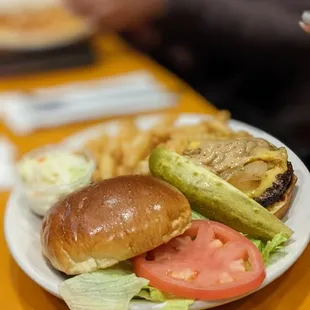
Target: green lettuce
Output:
{"points": [[259, 244], [177, 304], [171, 302], [113, 289], [152, 294], [269, 248], [197, 216]]}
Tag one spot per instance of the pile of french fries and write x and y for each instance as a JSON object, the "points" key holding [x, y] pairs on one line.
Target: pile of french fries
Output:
{"points": [[128, 151]]}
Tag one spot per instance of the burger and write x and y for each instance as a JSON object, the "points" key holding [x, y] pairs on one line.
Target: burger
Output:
{"points": [[112, 221], [134, 237], [253, 165]]}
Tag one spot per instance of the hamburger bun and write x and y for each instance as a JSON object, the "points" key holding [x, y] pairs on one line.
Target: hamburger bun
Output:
{"points": [[280, 208], [112, 221]]}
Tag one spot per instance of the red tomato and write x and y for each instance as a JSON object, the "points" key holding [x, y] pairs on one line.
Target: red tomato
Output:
{"points": [[210, 261]]}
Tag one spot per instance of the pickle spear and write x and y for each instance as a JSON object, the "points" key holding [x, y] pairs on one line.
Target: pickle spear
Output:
{"points": [[215, 198]]}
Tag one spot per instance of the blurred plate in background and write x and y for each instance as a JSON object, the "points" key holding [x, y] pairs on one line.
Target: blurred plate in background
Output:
{"points": [[27, 25], [75, 55]]}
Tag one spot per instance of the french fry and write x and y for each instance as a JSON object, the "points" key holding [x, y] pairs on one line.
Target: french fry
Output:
{"points": [[93, 146], [161, 129], [143, 167], [96, 147], [223, 116], [168, 120], [114, 147], [242, 134], [128, 151], [220, 128], [141, 146], [107, 166], [123, 170], [127, 129], [96, 176]]}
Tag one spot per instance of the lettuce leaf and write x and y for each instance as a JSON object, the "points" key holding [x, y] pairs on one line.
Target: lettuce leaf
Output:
{"points": [[177, 304], [269, 248], [197, 216], [171, 302], [259, 244], [276, 244], [111, 289], [151, 294]]}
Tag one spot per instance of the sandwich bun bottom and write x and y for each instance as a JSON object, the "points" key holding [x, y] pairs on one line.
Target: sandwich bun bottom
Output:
{"points": [[280, 208], [112, 221]]}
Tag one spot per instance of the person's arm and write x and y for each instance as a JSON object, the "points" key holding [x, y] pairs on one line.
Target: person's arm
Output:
{"points": [[305, 23], [247, 25], [119, 15]]}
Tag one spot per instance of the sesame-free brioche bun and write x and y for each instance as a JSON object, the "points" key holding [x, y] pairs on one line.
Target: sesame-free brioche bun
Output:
{"points": [[112, 221]]}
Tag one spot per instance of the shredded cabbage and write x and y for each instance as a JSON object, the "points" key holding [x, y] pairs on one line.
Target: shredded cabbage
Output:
{"points": [[57, 167]]}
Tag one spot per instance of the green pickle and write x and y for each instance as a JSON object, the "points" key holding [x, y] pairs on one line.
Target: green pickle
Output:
{"points": [[215, 198]]}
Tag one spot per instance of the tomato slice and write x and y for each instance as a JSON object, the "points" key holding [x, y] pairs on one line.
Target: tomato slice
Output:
{"points": [[210, 261]]}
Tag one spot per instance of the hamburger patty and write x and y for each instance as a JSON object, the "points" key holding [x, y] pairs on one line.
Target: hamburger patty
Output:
{"points": [[278, 188]]}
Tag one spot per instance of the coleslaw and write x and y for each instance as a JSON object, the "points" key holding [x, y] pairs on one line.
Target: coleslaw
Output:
{"points": [[46, 175]]}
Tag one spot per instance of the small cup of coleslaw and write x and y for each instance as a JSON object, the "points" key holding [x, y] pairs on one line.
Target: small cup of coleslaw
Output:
{"points": [[48, 174]]}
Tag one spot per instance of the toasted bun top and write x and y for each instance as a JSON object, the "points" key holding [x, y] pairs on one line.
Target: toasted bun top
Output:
{"points": [[112, 221]]}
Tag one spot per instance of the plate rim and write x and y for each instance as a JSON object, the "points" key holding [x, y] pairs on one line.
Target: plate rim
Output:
{"points": [[30, 272]]}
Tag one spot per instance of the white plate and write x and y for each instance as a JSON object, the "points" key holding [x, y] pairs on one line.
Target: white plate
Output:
{"points": [[22, 227]]}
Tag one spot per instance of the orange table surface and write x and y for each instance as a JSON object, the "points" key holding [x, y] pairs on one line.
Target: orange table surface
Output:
{"points": [[17, 291]]}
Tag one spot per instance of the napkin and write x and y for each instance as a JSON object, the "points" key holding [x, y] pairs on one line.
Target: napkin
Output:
{"points": [[51, 107], [7, 164]]}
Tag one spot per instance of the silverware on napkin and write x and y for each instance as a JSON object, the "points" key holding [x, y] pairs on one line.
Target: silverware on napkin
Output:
{"points": [[50, 107]]}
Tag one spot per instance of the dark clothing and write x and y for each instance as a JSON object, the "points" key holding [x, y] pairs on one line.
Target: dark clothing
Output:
{"points": [[248, 56]]}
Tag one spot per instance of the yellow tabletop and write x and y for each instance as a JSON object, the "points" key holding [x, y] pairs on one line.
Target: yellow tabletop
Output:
{"points": [[17, 291]]}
